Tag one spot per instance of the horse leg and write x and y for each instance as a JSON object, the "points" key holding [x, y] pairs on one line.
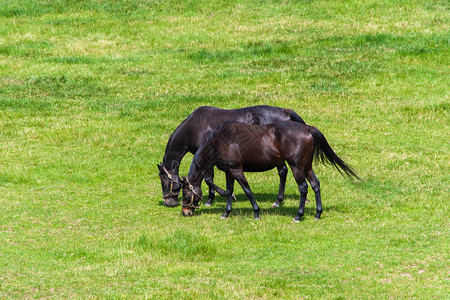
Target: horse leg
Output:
{"points": [[303, 188], [238, 174], [282, 171], [230, 188], [209, 177], [315, 184]]}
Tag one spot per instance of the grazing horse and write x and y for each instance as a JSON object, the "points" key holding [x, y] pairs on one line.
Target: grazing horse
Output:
{"points": [[236, 147], [191, 133]]}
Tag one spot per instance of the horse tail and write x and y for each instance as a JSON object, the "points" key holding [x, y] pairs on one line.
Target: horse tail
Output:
{"points": [[294, 116], [326, 155]]}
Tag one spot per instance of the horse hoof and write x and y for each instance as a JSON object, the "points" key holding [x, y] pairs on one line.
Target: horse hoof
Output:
{"points": [[317, 218], [257, 218], [275, 205], [207, 204], [295, 221]]}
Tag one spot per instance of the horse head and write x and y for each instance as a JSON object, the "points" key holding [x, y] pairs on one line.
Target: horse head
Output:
{"points": [[171, 186], [191, 198]]}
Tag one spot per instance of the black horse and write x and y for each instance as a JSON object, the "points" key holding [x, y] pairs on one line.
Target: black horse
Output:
{"points": [[191, 133], [237, 147]]}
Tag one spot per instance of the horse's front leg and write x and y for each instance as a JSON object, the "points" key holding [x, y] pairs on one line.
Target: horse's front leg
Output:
{"points": [[282, 171], [209, 178], [238, 174], [230, 196]]}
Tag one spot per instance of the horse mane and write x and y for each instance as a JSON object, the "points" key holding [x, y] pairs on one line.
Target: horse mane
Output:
{"points": [[171, 137], [217, 130], [206, 142], [172, 134], [196, 163]]}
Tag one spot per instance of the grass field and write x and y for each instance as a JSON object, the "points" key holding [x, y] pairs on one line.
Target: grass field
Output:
{"points": [[91, 90]]}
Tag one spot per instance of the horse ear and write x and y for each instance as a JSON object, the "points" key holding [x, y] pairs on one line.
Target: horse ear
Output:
{"points": [[159, 166], [183, 180]]}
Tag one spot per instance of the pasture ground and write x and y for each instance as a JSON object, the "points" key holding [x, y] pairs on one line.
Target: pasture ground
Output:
{"points": [[91, 90]]}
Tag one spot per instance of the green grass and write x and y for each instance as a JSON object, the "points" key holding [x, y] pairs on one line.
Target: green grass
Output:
{"points": [[91, 90]]}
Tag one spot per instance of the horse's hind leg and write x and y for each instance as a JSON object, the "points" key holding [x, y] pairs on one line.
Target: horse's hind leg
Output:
{"points": [[238, 174], [211, 195], [282, 171], [230, 188], [303, 188], [315, 184]]}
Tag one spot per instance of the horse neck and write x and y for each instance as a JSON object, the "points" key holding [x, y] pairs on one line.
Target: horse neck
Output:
{"points": [[200, 165], [175, 151], [172, 160]]}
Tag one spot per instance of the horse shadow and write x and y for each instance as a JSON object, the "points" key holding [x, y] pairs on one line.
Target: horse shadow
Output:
{"points": [[259, 197], [286, 209]]}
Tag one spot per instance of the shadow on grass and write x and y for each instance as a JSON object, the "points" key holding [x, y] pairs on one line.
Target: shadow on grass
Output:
{"points": [[241, 198], [286, 209], [289, 211]]}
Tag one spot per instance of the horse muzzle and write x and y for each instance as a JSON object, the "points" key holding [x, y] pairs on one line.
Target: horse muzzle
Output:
{"points": [[170, 201], [187, 212]]}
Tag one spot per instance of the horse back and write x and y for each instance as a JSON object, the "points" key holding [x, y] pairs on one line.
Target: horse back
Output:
{"points": [[263, 147], [194, 130], [252, 147]]}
